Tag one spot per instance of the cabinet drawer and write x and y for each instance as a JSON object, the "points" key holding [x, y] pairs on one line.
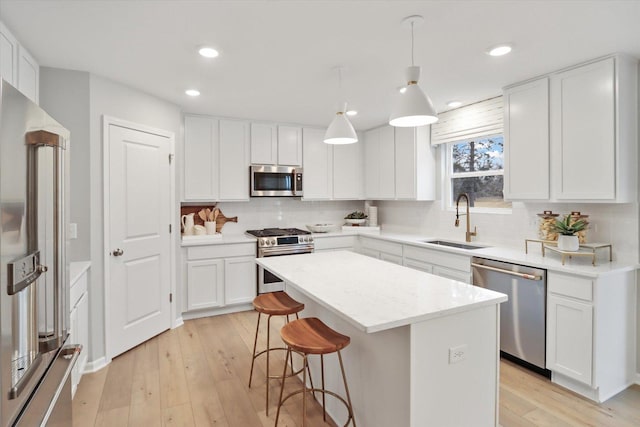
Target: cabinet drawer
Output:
{"points": [[77, 290], [338, 242], [382, 246], [221, 251], [442, 258], [571, 286]]}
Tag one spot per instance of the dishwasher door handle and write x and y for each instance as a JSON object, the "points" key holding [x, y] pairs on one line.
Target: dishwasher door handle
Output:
{"points": [[513, 273]]}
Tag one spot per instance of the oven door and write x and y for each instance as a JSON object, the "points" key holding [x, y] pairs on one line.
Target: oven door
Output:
{"points": [[269, 282]]}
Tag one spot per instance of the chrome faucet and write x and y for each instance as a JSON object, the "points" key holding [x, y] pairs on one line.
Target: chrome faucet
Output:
{"points": [[469, 233]]}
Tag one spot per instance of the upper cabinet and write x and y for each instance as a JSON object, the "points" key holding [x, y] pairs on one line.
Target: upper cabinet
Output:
{"points": [[17, 66], [331, 172], [216, 159], [276, 144], [589, 152], [399, 164]]}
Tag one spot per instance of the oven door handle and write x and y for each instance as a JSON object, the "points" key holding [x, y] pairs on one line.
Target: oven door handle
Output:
{"points": [[276, 252]]}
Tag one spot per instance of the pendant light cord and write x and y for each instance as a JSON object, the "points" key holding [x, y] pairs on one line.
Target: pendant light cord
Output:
{"points": [[412, 63]]}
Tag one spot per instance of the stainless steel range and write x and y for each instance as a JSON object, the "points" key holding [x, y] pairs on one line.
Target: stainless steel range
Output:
{"points": [[278, 242]]}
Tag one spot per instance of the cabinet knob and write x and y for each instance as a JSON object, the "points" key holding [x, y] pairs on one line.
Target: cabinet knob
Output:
{"points": [[117, 252]]}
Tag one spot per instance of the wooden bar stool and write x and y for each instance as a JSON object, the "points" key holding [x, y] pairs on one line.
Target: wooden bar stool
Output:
{"points": [[312, 336], [273, 304]]}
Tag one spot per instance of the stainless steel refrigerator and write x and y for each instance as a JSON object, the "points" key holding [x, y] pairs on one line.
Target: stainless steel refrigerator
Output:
{"points": [[35, 360]]}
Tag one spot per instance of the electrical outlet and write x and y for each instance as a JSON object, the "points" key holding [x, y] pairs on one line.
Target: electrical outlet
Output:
{"points": [[457, 354], [73, 230]]}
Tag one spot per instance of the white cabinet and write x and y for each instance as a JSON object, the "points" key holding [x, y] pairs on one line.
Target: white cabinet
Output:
{"points": [[289, 145], [591, 116], [264, 144], [590, 332], [17, 66], [79, 324], [438, 262], [276, 144], [381, 249], [526, 136], [331, 172], [233, 170], [399, 164], [334, 243], [218, 277], [216, 159]]}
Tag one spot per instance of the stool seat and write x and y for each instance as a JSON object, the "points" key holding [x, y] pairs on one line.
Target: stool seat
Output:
{"points": [[311, 336], [277, 304]]}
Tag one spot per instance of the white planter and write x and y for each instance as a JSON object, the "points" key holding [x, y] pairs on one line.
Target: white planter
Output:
{"points": [[568, 243]]}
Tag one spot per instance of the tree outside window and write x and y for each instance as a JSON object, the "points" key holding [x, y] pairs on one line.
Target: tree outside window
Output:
{"points": [[477, 168]]}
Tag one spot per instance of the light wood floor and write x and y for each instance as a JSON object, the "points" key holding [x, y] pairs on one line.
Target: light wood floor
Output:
{"points": [[197, 375]]}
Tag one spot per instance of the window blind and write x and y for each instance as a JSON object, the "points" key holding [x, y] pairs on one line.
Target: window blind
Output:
{"points": [[483, 118]]}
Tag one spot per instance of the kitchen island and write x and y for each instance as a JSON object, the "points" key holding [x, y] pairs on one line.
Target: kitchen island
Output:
{"points": [[424, 349]]}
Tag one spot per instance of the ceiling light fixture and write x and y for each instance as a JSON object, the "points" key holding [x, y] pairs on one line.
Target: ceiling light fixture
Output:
{"points": [[192, 92], [208, 52], [340, 131], [499, 50], [412, 107], [454, 104]]}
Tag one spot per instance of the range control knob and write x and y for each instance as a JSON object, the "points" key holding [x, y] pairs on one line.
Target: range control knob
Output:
{"points": [[272, 241], [310, 239]]}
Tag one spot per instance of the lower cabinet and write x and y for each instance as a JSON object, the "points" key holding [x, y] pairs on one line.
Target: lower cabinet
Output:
{"points": [[334, 243], [590, 341], [384, 250], [79, 326], [440, 263], [219, 276]]}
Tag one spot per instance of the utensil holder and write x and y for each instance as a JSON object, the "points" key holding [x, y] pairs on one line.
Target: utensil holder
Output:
{"points": [[210, 226]]}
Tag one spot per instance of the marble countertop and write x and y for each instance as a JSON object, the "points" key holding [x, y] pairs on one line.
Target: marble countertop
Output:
{"points": [[76, 269], [222, 239], [375, 295]]}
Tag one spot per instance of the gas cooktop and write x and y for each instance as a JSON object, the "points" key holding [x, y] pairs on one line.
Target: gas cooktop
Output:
{"points": [[277, 232]]}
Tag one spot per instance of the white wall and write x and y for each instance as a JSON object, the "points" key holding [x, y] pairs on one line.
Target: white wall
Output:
{"points": [[115, 100]]}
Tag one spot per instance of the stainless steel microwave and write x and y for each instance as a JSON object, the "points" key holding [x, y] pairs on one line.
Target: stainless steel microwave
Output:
{"points": [[275, 181]]}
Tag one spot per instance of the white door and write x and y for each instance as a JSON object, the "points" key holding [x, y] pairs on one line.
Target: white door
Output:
{"points": [[139, 214]]}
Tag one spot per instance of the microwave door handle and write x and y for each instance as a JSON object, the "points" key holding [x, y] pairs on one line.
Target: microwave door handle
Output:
{"points": [[294, 175]]}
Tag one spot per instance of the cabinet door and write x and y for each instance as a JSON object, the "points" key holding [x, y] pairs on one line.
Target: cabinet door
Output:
{"points": [[234, 160], [289, 146], [8, 56], [570, 338], [200, 158], [372, 164], [73, 339], [264, 144], [205, 284], [391, 258], [347, 171], [405, 163], [387, 163], [418, 265], [526, 148], [82, 336], [240, 282], [28, 75], [461, 276], [370, 252], [583, 127], [316, 162]]}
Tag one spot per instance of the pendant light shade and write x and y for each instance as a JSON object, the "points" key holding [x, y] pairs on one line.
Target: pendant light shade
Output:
{"points": [[412, 107], [340, 131]]}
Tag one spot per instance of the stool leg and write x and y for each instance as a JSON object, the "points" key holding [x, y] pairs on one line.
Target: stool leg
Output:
{"points": [[304, 390], [284, 372], [290, 355], [346, 389], [268, 347], [255, 343], [324, 410]]}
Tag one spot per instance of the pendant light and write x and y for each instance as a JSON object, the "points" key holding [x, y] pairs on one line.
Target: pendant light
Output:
{"points": [[340, 131], [412, 107]]}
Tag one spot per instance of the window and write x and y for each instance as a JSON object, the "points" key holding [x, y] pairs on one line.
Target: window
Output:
{"points": [[476, 167]]}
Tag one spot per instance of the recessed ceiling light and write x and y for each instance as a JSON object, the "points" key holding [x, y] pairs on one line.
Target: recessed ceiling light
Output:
{"points": [[499, 50], [403, 89], [454, 104], [192, 92], [352, 113], [208, 52]]}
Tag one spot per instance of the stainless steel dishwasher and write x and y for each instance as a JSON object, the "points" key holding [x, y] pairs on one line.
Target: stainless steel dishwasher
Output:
{"points": [[523, 316]]}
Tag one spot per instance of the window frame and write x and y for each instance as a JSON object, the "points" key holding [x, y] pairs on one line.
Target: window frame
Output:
{"points": [[449, 175]]}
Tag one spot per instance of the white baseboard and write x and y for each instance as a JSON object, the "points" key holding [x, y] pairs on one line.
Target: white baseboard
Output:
{"points": [[217, 311], [177, 322], [638, 378], [95, 365]]}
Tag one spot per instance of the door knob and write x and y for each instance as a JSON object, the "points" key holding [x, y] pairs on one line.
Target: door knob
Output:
{"points": [[117, 252]]}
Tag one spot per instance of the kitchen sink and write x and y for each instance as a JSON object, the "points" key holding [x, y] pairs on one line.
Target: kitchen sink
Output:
{"points": [[453, 244]]}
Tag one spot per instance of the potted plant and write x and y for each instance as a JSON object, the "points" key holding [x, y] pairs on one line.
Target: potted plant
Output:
{"points": [[567, 229]]}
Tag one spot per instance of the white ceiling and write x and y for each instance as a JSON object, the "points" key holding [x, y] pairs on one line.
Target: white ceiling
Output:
{"points": [[277, 57]]}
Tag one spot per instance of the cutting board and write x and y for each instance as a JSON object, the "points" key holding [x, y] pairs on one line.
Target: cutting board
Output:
{"points": [[220, 221]]}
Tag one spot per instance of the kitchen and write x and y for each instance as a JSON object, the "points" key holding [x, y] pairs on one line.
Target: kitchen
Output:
{"points": [[96, 90]]}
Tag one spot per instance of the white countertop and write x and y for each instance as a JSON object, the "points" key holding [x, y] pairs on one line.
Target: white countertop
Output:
{"points": [[375, 295], [76, 269], [576, 265], [222, 239]]}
